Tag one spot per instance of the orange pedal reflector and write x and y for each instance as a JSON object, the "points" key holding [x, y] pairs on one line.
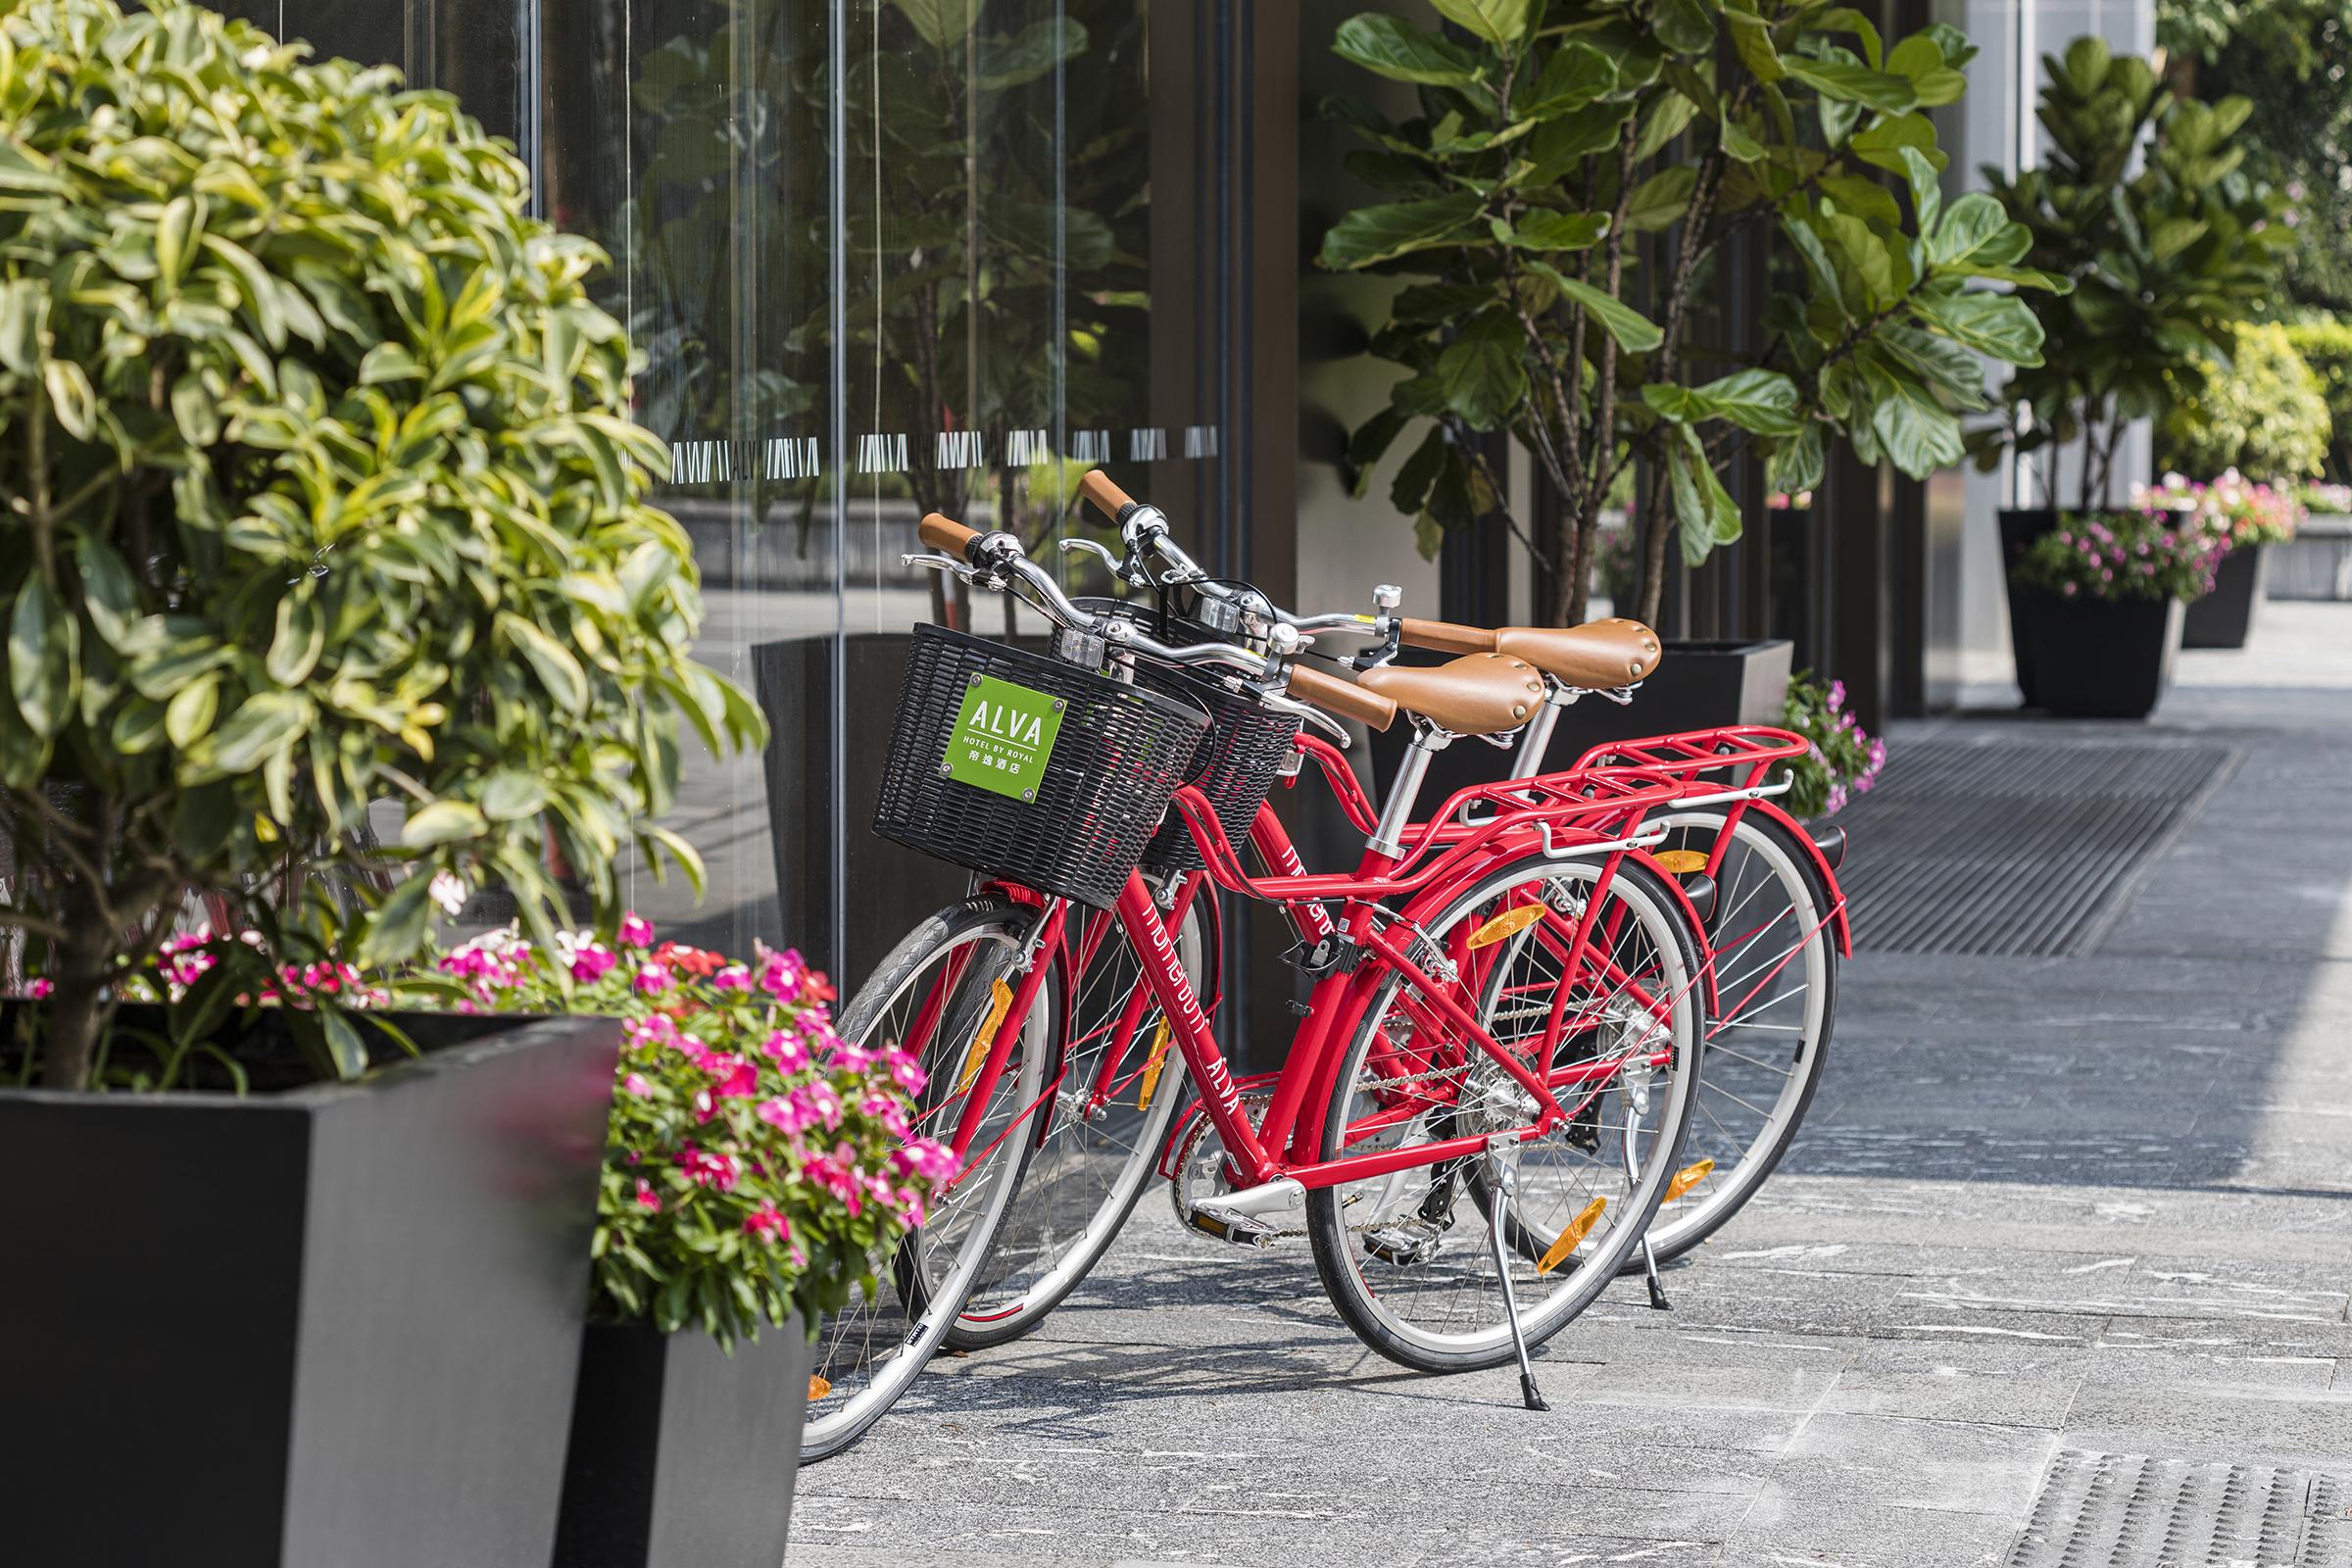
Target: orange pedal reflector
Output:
{"points": [[1688, 1177], [1000, 1003], [1509, 923], [1578, 1229], [1682, 862], [818, 1388], [1153, 1066]]}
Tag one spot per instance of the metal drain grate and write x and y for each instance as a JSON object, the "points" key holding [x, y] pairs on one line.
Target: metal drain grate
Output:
{"points": [[2015, 848], [2123, 1510]]}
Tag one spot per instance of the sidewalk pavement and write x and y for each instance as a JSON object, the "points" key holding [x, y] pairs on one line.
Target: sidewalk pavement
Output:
{"points": [[2057, 1228]]}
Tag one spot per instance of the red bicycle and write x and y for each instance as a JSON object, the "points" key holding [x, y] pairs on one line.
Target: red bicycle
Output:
{"points": [[1774, 931], [1399, 1112]]}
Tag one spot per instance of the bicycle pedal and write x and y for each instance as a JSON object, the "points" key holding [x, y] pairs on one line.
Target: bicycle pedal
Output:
{"points": [[1406, 1246], [1241, 1230]]}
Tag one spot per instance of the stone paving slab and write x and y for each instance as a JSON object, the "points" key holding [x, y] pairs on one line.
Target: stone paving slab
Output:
{"points": [[2101, 1205]]}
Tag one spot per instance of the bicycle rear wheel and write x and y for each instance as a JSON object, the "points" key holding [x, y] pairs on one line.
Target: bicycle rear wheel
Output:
{"points": [[1405, 1256], [1776, 973], [936, 995], [1093, 1160]]}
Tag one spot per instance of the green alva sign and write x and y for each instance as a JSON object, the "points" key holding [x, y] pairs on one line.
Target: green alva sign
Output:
{"points": [[1003, 735]]}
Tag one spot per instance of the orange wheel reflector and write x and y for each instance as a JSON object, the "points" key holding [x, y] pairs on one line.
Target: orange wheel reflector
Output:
{"points": [[818, 1388], [1153, 1066], [1688, 1177], [1578, 1229], [1682, 862], [1000, 1003], [1509, 923]]}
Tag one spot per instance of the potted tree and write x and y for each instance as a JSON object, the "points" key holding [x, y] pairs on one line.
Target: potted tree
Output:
{"points": [[2167, 255], [2098, 606], [324, 490], [754, 1167], [1573, 193]]}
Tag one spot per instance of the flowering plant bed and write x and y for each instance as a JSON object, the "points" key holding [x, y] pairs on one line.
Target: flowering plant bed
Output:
{"points": [[1844, 760], [755, 1163], [2121, 555], [2241, 512]]}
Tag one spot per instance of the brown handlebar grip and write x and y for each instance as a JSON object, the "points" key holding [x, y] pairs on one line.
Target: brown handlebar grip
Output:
{"points": [[1108, 498], [947, 536], [1445, 637], [1344, 698]]}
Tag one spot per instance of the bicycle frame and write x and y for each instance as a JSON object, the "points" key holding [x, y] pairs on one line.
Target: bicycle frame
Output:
{"points": [[1598, 815]]}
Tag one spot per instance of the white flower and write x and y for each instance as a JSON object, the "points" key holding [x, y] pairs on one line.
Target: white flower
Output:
{"points": [[447, 892]]}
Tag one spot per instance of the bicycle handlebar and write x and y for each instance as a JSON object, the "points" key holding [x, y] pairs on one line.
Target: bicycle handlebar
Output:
{"points": [[1342, 697], [1445, 637], [947, 536]]}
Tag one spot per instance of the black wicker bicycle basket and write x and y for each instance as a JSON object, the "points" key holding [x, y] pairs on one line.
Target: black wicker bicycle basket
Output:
{"points": [[1240, 754], [1235, 764], [1100, 793]]}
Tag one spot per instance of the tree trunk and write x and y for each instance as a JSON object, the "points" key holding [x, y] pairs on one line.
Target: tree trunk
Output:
{"points": [[1583, 527], [80, 961], [1653, 557]]}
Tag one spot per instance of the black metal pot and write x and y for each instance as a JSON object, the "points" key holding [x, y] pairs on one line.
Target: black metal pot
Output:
{"points": [[681, 1455], [2020, 527], [2224, 618], [337, 1324], [2096, 658]]}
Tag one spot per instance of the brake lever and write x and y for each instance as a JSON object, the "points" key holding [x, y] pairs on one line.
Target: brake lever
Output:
{"points": [[1312, 714], [1119, 569]]}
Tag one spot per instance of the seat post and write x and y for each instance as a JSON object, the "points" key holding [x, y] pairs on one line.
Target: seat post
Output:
{"points": [[1397, 811], [1528, 760]]}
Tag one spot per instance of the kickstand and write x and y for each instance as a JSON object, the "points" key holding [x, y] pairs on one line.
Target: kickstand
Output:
{"points": [[1657, 1291], [1497, 1215], [1638, 1095]]}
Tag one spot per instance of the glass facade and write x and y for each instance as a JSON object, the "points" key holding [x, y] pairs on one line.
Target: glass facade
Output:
{"points": [[883, 257]]}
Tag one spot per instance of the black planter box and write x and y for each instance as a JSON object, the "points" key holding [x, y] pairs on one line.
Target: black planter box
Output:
{"points": [[1699, 685], [889, 886], [683, 1456], [2224, 618], [336, 1325], [2096, 658], [2018, 529]]}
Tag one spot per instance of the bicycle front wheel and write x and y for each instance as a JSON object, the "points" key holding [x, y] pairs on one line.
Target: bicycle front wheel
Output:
{"points": [[938, 996], [1098, 1137], [1405, 1256]]}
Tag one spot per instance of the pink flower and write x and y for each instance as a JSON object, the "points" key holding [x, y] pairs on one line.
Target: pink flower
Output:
{"points": [[39, 989], [785, 1114], [636, 1085], [788, 1053], [647, 1199], [928, 1158], [636, 931], [767, 1223], [652, 980], [905, 1070], [719, 1171], [738, 1079], [734, 977], [592, 962]]}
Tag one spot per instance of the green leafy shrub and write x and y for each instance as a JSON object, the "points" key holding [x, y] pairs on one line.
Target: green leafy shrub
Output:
{"points": [[323, 488], [1562, 207], [2167, 254], [2325, 344], [2263, 412], [2122, 554]]}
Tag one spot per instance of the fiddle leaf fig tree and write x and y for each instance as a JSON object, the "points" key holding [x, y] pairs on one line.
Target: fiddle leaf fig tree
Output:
{"points": [[2165, 258], [323, 488], [1559, 211]]}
